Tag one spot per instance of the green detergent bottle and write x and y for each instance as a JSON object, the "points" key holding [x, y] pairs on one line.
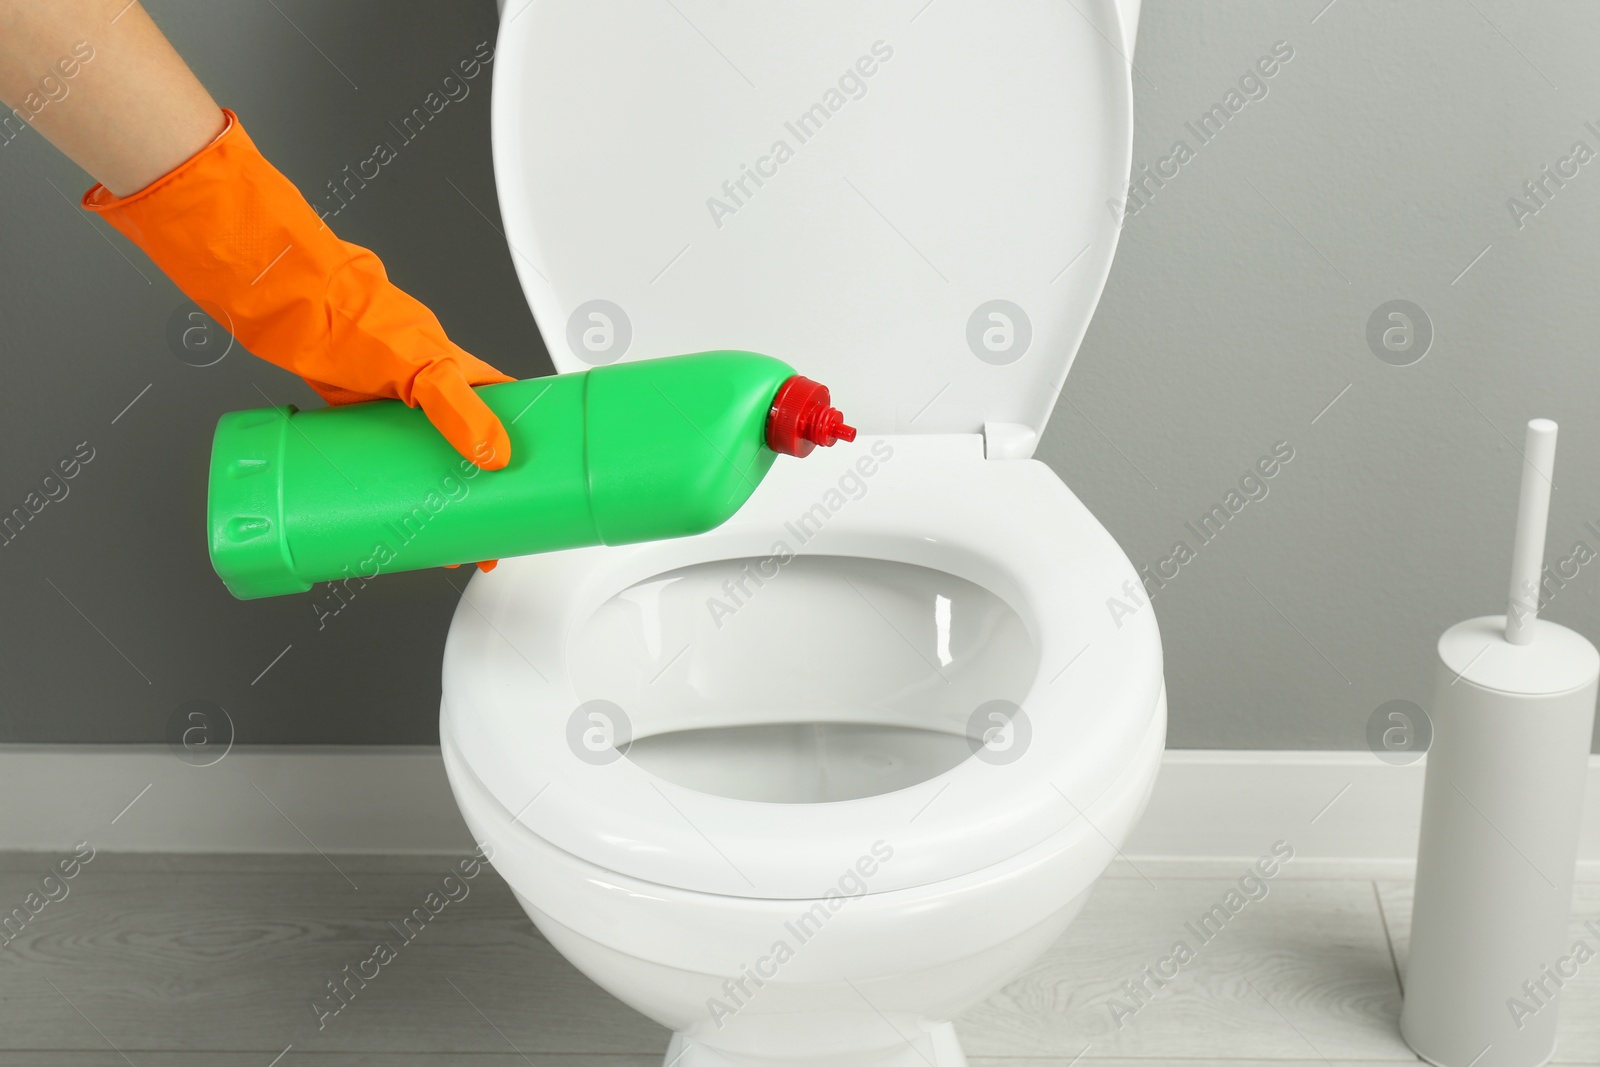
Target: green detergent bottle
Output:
{"points": [[623, 453]]}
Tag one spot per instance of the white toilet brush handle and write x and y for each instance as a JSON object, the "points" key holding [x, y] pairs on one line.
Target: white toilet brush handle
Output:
{"points": [[1533, 514]]}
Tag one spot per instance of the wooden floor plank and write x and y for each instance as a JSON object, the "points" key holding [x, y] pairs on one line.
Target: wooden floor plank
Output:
{"points": [[152, 1058], [202, 961], [1302, 974], [295, 1058], [1092, 1061], [199, 960]]}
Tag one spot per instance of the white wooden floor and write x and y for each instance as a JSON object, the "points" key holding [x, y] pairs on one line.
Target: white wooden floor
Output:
{"points": [[216, 959]]}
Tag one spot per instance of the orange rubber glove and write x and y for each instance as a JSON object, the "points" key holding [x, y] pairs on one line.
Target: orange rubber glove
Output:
{"points": [[237, 236]]}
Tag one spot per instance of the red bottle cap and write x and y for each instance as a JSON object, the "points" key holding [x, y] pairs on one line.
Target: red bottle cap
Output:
{"points": [[801, 419]]}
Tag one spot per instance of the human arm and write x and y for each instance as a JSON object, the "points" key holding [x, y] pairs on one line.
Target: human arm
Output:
{"points": [[182, 180], [129, 111]]}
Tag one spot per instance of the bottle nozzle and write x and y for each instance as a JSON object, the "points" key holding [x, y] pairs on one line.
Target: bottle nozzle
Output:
{"points": [[829, 427], [803, 418]]}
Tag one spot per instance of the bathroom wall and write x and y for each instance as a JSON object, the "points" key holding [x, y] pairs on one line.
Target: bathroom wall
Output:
{"points": [[1377, 166], [1374, 165], [114, 620]]}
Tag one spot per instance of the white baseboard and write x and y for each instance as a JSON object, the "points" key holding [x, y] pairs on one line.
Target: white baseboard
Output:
{"points": [[1334, 807], [256, 799]]}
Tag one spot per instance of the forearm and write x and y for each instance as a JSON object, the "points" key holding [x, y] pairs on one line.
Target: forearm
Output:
{"points": [[129, 113]]}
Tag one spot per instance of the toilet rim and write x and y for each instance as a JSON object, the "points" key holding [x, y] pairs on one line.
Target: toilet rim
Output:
{"points": [[711, 933], [1055, 570]]}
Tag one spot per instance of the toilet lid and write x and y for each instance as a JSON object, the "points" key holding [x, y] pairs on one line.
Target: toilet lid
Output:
{"points": [[912, 202]]}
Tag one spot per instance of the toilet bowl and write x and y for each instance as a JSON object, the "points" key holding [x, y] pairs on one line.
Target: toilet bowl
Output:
{"points": [[805, 787]]}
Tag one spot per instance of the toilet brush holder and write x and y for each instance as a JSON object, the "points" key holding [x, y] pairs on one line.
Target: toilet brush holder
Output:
{"points": [[1513, 718]]}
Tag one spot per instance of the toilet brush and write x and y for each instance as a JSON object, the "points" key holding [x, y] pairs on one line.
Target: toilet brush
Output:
{"points": [[1513, 715]]}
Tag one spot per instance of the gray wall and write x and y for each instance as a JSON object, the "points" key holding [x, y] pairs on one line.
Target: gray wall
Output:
{"points": [[1376, 167], [84, 334]]}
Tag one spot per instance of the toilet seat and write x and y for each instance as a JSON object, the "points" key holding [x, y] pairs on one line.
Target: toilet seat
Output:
{"points": [[1017, 531]]}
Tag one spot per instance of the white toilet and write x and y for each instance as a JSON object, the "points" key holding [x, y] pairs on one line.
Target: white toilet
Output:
{"points": [[805, 787]]}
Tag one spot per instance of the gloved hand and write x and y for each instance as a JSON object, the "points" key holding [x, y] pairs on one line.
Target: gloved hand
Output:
{"points": [[236, 235]]}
